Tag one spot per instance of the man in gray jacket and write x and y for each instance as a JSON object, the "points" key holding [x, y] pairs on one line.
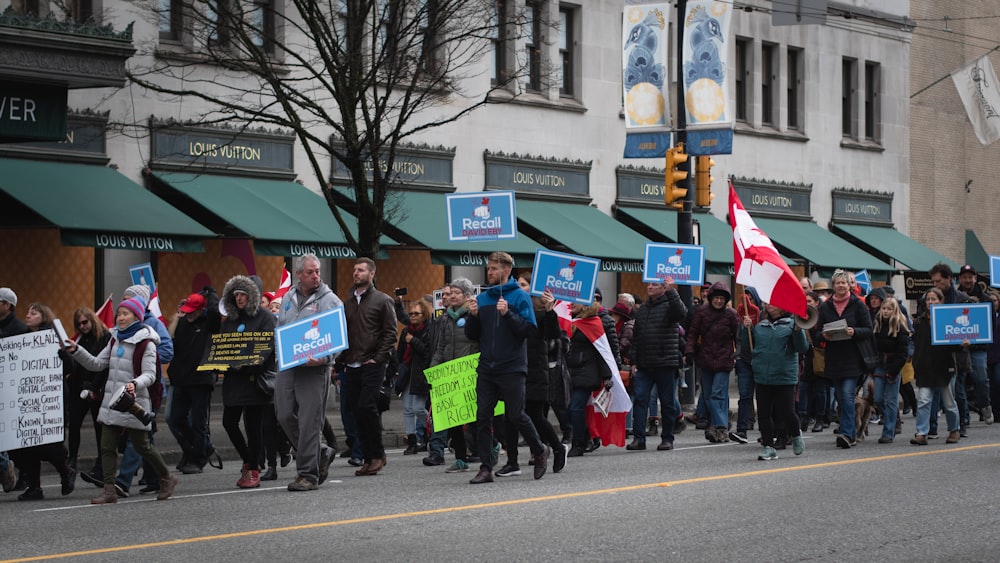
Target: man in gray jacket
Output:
{"points": [[300, 393]]}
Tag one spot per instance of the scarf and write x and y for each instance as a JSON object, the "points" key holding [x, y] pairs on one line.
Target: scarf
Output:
{"points": [[129, 331], [408, 352], [456, 314], [841, 304]]}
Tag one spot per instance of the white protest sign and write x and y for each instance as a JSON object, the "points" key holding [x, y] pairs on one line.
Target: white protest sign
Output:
{"points": [[31, 390]]}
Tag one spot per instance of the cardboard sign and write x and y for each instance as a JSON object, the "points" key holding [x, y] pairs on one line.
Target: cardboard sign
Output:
{"points": [[453, 392], [142, 274], [31, 390], [683, 262], [318, 336], [569, 277], [864, 281], [951, 324], [237, 349], [481, 216], [994, 271]]}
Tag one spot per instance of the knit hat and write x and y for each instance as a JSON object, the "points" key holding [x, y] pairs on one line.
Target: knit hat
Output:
{"points": [[8, 295], [137, 290], [621, 309], [137, 305]]}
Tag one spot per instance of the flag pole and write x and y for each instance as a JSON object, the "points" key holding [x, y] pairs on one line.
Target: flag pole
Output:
{"points": [[746, 313]]}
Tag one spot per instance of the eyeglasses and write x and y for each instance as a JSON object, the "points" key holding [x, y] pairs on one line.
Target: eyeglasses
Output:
{"points": [[83, 322], [416, 314]]}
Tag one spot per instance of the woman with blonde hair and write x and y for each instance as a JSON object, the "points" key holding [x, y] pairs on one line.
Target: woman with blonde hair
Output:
{"points": [[892, 339]]}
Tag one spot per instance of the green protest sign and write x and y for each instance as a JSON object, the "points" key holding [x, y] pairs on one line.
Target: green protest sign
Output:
{"points": [[453, 392]]}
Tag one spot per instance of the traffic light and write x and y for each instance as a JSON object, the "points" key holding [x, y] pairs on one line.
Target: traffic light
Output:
{"points": [[703, 181], [673, 195]]}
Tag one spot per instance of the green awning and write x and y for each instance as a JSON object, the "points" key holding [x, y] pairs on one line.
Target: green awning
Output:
{"points": [[421, 219], [94, 206], [716, 236], [586, 231], [818, 246], [283, 218], [895, 245], [975, 253]]}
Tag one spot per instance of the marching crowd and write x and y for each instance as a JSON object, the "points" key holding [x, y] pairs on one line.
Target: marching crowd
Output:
{"points": [[804, 376]]}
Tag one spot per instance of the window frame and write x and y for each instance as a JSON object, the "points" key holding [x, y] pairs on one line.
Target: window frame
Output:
{"points": [[769, 79], [872, 101], [794, 85], [742, 75], [848, 94]]}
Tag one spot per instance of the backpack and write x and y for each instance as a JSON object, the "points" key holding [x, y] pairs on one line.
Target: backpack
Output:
{"points": [[156, 389]]}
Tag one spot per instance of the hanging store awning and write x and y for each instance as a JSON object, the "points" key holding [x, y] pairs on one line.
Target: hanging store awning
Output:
{"points": [[818, 246], [893, 244]]}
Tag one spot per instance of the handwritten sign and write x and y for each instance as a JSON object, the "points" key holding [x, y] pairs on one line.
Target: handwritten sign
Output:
{"points": [[453, 392], [685, 263], [569, 277], [318, 336], [951, 324], [31, 390], [237, 349], [481, 216]]}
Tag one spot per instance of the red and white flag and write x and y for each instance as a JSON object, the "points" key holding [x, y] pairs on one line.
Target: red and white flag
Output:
{"points": [[758, 264], [611, 428], [286, 284], [154, 306], [106, 312]]}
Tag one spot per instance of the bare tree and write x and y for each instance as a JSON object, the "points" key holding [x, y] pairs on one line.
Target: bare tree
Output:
{"points": [[372, 72]]}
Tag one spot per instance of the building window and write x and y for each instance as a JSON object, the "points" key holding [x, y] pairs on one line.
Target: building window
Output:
{"points": [[768, 83], [565, 74], [262, 25], [873, 89], [848, 108], [171, 19], [794, 88], [498, 43], [533, 46], [742, 76]]}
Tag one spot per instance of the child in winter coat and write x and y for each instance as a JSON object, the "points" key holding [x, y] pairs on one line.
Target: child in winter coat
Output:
{"points": [[116, 357]]}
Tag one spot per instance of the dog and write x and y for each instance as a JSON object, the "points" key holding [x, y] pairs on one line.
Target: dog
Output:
{"points": [[864, 408]]}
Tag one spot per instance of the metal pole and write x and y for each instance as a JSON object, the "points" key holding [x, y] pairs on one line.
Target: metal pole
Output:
{"points": [[685, 226]]}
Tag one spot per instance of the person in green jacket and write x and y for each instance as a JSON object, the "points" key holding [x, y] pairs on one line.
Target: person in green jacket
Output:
{"points": [[776, 343]]}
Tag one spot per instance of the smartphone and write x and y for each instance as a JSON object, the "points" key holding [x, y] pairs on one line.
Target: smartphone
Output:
{"points": [[400, 291]]}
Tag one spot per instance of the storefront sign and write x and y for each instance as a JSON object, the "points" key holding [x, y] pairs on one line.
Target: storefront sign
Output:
{"points": [[222, 149], [568, 277], [640, 186], [524, 174], [874, 209], [81, 137], [622, 266], [31, 112], [318, 336], [412, 167], [130, 241], [481, 216], [684, 263], [775, 200], [322, 251], [453, 392], [31, 396], [916, 284], [953, 324]]}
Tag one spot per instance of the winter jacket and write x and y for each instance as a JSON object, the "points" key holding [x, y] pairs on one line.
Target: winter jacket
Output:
{"points": [[933, 366], [120, 372], [296, 306], [240, 387], [452, 342], [587, 368], [191, 338], [537, 383], [625, 332], [371, 328], [420, 357], [776, 348], [609, 329], [712, 334], [892, 350], [843, 358], [503, 338], [655, 340], [81, 378], [12, 326]]}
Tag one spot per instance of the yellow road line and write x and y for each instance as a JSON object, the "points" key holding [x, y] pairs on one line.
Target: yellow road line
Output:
{"points": [[398, 516]]}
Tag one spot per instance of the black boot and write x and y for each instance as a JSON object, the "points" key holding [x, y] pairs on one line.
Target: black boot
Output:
{"points": [[270, 475], [411, 444]]}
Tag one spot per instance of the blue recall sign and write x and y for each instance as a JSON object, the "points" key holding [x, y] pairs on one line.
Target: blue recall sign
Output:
{"points": [[952, 324], [569, 277], [481, 216], [317, 336], [685, 263]]}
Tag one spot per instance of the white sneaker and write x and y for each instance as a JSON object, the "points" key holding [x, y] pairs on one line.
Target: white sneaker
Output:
{"points": [[988, 415]]}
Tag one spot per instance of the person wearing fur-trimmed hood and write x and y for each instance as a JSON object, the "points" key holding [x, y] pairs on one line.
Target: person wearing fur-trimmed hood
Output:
{"points": [[242, 394]]}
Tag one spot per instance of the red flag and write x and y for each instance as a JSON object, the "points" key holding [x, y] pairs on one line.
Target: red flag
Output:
{"points": [[106, 312], [286, 284], [154, 306], [758, 264], [611, 428]]}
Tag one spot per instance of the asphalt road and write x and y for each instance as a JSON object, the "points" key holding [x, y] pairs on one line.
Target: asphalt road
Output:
{"points": [[700, 502]]}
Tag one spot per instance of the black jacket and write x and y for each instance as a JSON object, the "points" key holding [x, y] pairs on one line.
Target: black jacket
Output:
{"points": [[239, 389], [537, 383], [843, 358], [655, 339], [191, 340], [420, 357]]}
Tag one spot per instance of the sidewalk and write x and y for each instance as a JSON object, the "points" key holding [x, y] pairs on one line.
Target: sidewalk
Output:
{"points": [[393, 435]]}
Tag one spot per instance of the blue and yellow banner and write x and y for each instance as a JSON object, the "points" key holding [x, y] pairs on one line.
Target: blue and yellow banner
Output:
{"points": [[644, 79], [705, 73]]}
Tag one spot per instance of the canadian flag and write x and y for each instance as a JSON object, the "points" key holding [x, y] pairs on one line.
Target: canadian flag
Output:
{"points": [[106, 312], [286, 284], [611, 428], [154, 305], [758, 264]]}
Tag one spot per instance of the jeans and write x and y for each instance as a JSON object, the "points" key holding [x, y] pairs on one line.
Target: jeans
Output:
{"points": [[960, 398], [664, 378], [716, 385], [845, 389], [886, 399], [980, 379], [509, 388], [187, 419], [654, 407], [350, 424], [744, 380], [578, 414], [415, 415], [924, 400]]}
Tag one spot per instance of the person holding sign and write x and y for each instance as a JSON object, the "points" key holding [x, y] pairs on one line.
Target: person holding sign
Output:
{"points": [[502, 319], [300, 393], [413, 356], [130, 337], [243, 395], [934, 371], [10, 325]]}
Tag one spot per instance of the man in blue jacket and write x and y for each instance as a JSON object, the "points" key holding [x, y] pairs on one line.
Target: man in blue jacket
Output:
{"points": [[502, 319]]}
